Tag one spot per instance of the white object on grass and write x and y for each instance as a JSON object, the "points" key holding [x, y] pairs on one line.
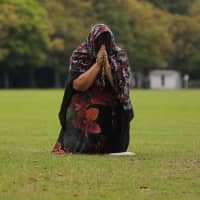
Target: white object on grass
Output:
{"points": [[126, 153]]}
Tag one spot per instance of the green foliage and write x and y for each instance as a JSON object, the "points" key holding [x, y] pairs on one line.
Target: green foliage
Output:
{"points": [[186, 39], [25, 33], [195, 10], [69, 23], [6, 21], [44, 33], [174, 6], [152, 42], [194, 64]]}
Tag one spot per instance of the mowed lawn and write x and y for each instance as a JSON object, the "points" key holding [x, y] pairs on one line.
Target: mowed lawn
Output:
{"points": [[165, 134]]}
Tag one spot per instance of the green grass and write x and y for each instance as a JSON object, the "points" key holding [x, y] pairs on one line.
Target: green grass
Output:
{"points": [[165, 135]]}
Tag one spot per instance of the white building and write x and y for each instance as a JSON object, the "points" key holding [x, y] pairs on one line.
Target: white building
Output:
{"points": [[165, 79]]}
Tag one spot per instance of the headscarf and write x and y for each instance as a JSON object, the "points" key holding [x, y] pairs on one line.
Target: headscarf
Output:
{"points": [[84, 56]]}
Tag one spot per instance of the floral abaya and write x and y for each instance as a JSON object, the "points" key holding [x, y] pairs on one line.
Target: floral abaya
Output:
{"points": [[97, 120]]}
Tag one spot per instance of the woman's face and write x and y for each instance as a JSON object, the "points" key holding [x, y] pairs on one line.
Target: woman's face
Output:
{"points": [[105, 39]]}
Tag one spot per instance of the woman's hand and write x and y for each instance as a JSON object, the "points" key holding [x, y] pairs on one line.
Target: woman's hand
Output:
{"points": [[100, 57], [107, 69]]}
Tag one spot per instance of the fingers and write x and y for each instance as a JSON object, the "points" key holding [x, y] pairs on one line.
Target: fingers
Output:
{"points": [[102, 58], [103, 72], [100, 55], [103, 47], [101, 51], [104, 54]]}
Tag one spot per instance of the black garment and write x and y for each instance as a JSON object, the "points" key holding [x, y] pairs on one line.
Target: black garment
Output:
{"points": [[114, 135]]}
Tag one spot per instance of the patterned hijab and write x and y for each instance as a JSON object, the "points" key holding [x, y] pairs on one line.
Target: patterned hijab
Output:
{"points": [[84, 56]]}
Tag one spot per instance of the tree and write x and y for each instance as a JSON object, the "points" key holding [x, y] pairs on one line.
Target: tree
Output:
{"points": [[69, 23], [194, 62], [26, 40], [152, 42], [140, 28], [177, 7], [186, 39], [195, 10], [6, 21]]}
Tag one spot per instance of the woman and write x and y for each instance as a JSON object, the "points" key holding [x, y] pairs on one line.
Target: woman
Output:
{"points": [[96, 110]]}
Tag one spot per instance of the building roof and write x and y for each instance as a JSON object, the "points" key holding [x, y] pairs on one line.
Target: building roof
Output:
{"points": [[163, 72]]}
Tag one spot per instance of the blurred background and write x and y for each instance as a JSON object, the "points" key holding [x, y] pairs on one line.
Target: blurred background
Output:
{"points": [[161, 37]]}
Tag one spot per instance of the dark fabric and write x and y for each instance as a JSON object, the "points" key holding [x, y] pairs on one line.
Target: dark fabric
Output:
{"points": [[68, 92], [110, 129], [89, 121]]}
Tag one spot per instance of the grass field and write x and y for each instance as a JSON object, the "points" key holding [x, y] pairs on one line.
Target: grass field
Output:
{"points": [[165, 134]]}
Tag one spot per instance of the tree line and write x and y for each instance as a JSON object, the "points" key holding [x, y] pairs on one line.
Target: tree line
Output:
{"points": [[37, 34]]}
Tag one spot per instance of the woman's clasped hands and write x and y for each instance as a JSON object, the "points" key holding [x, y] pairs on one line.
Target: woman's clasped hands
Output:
{"points": [[102, 62]]}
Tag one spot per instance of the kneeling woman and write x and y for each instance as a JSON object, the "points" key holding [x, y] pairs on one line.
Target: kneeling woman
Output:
{"points": [[96, 110]]}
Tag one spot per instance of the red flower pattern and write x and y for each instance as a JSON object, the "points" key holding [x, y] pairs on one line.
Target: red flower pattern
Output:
{"points": [[91, 125], [58, 149], [78, 104], [86, 121]]}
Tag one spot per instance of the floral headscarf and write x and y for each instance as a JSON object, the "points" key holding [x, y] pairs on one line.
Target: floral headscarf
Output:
{"points": [[84, 56]]}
